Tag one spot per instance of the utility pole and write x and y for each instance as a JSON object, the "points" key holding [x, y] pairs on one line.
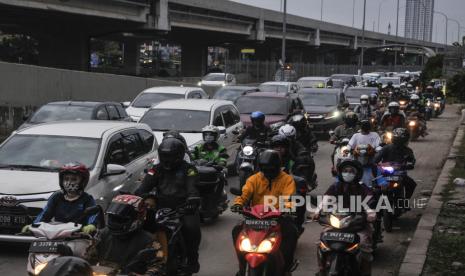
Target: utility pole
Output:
{"points": [[321, 12], [283, 49], [353, 13], [397, 22], [363, 36]]}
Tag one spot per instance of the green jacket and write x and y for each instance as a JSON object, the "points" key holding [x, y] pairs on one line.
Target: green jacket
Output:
{"points": [[219, 155]]}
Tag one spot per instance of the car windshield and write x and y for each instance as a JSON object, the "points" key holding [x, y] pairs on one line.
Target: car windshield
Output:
{"points": [[356, 93], [214, 78], [386, 80], [48, 151], [54, 112], [228, 94], [273, 88], [267, 105], [311, 83], [318, 99], [345, 78], [176, 119], [146, 100]]}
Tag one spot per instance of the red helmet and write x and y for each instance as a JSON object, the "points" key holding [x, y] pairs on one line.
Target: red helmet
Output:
{"points": [[125, 214], [75, 168]]}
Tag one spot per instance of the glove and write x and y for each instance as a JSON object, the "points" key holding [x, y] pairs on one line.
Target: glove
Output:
{"points": [[26, 228], [236, 208], [88, 229]]}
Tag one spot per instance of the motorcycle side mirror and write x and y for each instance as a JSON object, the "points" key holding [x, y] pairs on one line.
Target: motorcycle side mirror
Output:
{"points": [[222, 130], [235, 132]]}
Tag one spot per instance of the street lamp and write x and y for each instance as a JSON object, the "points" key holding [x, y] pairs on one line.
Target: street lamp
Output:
{"points": [[458, 28], [363, 36], [353, 13], [283, 49], [447, 22], [321, 13], [379, 11]]}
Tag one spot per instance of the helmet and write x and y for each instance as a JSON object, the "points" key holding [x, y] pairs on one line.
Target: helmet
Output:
{"points": [[350, 119], [171, 153], [279, 140], [389, 83], [298, 121], [67, 266], [429, 88], [400, 136], [394, 107], [364, 99], [257, 118], [373, 98], [304, 166], [365, 125], [125, 214], [288, 131], [409, 86], [69, 187], [210, 134], [269, 163], [350, 163], [414, 98], [175, 134]]}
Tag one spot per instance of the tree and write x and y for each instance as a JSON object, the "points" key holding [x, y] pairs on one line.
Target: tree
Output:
{"points": [[433, 69], [456, 86]]}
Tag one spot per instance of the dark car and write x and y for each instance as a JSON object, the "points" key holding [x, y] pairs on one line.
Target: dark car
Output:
{"points": [[276, 106], [71, 110], [322, 106], [353, 94], [231, 93], [347, 78]]}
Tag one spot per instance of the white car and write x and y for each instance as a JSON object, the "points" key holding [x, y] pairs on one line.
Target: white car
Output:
{"points": [[214, 81], [190, 116], [385, 80], [313, 82], [116, 153], [279, 86], [155, 95]]}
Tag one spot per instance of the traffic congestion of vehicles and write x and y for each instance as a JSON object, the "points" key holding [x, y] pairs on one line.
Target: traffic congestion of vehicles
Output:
{"points": [[126, 188]]}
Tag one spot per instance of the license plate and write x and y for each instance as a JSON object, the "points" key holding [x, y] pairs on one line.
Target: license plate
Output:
{"points": [[45, 246], [337, 236], [260, 224], [13, 221], [392, 178]]}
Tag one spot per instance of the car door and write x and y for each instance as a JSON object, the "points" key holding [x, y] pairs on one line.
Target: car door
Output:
{"points": [[234, 126], [217, 120]]}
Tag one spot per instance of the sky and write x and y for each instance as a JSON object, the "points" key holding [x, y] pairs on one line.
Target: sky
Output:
{"points": [[340, 12]]}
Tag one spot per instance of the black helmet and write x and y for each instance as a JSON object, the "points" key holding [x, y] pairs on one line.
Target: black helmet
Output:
{"points": [[389, 83], [373, 98], [67, 266], [350, 163], [269, 163], [350, 119], [304, 166], [171, 153], [365, 125], [298, 121], [400, 136], [175, 134], [125, 214], [279, 140]]}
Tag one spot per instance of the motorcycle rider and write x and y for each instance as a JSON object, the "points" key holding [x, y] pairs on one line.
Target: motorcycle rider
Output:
{"points": [[393, 117], [399, 152], [175, 183], [258, 130], [345, 130], [270, 181], [348, 185], [389, 86], [123, 237], [68, 204], [304, 135], [295, 147], [363, 110], [415, 107], [176, 134], [211, 151]]}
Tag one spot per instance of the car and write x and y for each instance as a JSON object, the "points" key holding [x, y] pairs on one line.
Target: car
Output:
{"points": [[313, 82], [155, 95], [353, 94], [276, 106], [75, 110], [231, 93], [190, 116], [359, 80], [279, 86], [385, 80], [116, 153], [214, 81], [322, 107], [347, 78]]}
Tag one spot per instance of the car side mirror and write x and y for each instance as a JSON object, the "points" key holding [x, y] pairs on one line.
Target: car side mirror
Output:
{"points": [[114, 169], [331, 132], [222, 129], [235, 132], [126, 104], [229, 78]]}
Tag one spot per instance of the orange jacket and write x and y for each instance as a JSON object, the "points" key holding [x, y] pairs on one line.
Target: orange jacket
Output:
{"points": [[256, 188]]}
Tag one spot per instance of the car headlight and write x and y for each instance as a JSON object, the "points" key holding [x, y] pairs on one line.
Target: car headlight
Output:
{"points": [[199, 83], [412, 123], [335, 222], [247, 150], [334, 114], [223, 84], [39, 267]]}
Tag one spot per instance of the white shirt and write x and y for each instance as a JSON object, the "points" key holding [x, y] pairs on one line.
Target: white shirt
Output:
{"points": [[372, 139]]}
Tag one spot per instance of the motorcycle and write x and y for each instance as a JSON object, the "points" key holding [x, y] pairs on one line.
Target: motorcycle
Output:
{"points": [[341, 153], [339, 246], [246, 161], [415, 127], [437, 107], [364, 154], [429, 110], [258, 243]]}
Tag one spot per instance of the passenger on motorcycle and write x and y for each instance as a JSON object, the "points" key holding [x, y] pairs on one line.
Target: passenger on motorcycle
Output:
{"points": [[123, 237], [174, 182], [348, 184], [270, 181], [68, 204], [363, 110], [258, 130], [304, 134], [393, 117], [295, 147], [211, 151], [347, 129], [399, 152]]}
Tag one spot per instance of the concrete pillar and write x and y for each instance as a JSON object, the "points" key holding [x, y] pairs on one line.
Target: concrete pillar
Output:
{"points": [[193, 60], [260, 28], [161, 20], [64, 50], [131, 55]]}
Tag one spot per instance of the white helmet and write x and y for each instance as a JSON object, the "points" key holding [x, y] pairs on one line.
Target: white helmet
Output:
{"points": [[393, 104], [288, 131], [364, 99], [414, 97], [210, 133]]}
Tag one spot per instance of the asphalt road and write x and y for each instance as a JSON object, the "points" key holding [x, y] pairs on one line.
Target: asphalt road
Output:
{"points": [[217, 252]]}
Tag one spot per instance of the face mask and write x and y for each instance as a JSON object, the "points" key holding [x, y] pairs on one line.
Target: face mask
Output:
{"points": [[72, 187], [348, 177], [364, 102], [209, 138]]}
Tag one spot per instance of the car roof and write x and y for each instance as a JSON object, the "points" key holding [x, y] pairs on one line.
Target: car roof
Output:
{"points": [[320, 90], [88, 129], [390, 78], [171, 89], [218, 74], [342, 75], [267, 94], [191, 104], [79, 103], [277, 83], [238, 87], [313, 78]]}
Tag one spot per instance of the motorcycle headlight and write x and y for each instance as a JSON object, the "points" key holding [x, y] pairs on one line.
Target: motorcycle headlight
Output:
{"points": [[38, 268], [428, 104], [388, 169], [223, 84], [247, 150], [437, 105], [412, 123], [401, 102], [266, 246], [335, 222], [246, 245], [334, 114]]}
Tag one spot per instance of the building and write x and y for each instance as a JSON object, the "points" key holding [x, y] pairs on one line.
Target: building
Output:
{"points": [[419, 19]]}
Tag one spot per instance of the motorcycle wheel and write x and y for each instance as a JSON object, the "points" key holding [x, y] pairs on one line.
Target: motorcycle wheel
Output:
{"points": [[387, 221], [255, 271]]}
